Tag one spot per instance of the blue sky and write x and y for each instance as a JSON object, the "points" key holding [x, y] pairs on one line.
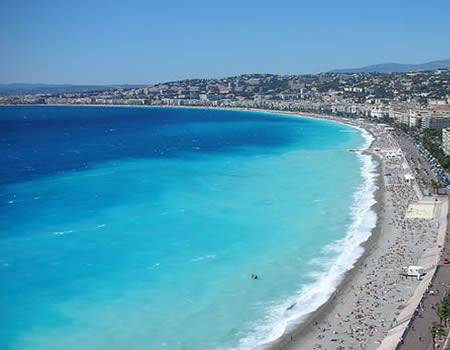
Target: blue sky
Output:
{"points": [[107, 41]]}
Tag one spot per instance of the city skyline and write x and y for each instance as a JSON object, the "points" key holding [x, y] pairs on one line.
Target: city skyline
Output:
{"points": [[145, 43]]}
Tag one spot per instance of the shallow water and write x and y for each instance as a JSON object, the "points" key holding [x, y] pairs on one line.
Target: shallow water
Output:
{"points": [[139, 228]]}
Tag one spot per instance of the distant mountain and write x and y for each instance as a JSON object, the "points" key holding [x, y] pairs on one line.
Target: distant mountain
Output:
{"points": [[30, 89], [396, 67]]}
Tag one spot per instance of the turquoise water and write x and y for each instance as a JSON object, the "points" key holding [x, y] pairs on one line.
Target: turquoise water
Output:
{"points": [[139, 228]]}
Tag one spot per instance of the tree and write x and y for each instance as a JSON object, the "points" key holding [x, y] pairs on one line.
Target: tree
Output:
{"points": [[435, 185], [445, 307], [446, 299], [436, 331], [443, 312]]}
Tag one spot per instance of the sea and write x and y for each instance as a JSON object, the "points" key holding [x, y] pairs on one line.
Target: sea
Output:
{"points": [[140, 228]]}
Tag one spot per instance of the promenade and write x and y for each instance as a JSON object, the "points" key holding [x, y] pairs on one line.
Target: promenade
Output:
{"points": [[419, 336]]}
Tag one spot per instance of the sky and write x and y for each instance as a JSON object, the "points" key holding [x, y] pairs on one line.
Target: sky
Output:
{"points": [[144, 42]]}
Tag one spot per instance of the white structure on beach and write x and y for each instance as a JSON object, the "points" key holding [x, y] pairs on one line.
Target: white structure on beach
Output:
{"points": [[415, 271], [409, 178], [394, 155]]}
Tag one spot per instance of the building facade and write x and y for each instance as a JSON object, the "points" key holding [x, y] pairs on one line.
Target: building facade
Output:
{"points": [[446, 141], [435, 122]]}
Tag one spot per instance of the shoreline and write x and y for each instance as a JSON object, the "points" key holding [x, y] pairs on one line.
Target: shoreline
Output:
{"points": [[305, 326]]}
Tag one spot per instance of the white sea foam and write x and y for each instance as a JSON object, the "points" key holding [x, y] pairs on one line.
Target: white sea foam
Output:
{"points": [[320, 262], [281, 317], [199, 258], [60, 233], [350, 131]]}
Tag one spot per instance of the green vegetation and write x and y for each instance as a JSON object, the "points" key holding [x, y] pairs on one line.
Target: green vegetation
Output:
{"points": [[437, 330], [435, 185], [436, 134], [403, 127], [431, 140], [443, 312]]}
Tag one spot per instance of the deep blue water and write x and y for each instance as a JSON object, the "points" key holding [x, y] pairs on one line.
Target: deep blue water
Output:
{"points": [[139, 227]]}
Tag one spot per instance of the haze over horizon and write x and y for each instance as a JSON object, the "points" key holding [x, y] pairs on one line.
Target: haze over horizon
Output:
{"points": [[147, 42]]}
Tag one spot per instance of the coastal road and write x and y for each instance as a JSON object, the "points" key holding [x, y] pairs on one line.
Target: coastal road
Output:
{"points": [[417, 162], [419, 336]]}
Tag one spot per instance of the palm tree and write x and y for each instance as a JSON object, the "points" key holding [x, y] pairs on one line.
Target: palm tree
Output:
{"points": [[443, 312], [447, 298], [435, 185], [446, 305], [436, 331]]}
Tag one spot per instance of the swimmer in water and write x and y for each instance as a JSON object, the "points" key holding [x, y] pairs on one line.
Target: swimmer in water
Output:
{"points": [[255, 277]]}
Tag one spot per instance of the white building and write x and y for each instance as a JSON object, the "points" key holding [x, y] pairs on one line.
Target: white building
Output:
{"points": [[446, 141]]}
